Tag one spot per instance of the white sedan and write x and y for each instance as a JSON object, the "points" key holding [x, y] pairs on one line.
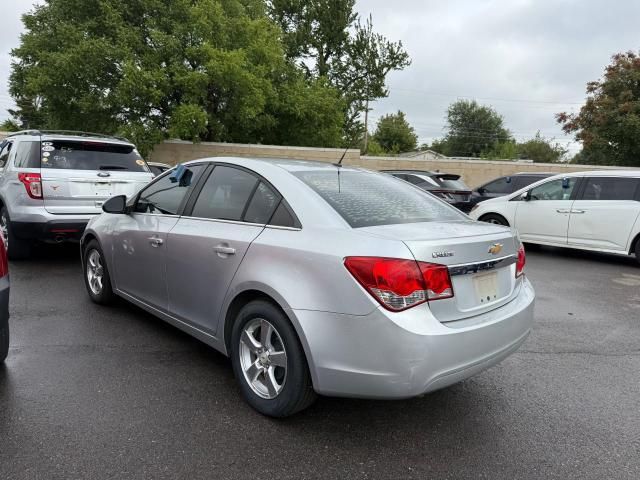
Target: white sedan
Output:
{"points": [[597, 211]]}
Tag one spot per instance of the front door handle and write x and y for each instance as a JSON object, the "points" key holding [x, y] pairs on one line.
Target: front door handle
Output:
{"points": [[563, 210], [155, 241], [224, 250]]}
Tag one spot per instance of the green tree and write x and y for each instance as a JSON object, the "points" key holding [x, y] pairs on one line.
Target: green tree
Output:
{"points": [[329, 40], [9, 126], [394, 134], [608, 125], [541, 150], [472, 129], [200, 69]]}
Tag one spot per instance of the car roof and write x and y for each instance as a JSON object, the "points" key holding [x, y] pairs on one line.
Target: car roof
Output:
{"points": [[50, 135], [601, 173]]}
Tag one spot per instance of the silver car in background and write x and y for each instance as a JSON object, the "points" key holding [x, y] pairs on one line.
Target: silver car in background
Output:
{"points": [[53, 182], [315, 278]]}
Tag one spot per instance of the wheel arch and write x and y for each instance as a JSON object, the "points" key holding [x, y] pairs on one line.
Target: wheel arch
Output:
{"points": [[488, 214], [239, 299]]}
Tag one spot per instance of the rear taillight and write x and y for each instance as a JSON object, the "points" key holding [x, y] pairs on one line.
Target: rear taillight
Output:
{"points": [[4, 263], [33, 183], [400, 284], [520, 263]]}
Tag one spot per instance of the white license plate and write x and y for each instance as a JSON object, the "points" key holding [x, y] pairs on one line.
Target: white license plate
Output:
{"points": [[103, 189], [486, 286]]}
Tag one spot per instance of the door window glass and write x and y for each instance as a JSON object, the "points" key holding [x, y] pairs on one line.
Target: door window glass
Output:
{"points": [[502, 185], [262, 205], [225, 194], [560, 189], [611, 188], [166, 195]]}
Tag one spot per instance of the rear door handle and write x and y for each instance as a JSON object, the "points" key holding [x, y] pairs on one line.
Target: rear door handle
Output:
{"points": [[223, 250], [578, 211], [155, 241]]}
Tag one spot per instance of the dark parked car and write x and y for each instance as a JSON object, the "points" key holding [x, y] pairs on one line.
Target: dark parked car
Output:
{"points": [[447, 186], [505, 185], [4, 302]]}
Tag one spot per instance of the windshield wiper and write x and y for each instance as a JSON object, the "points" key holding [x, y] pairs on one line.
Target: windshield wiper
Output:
{"points": [[112, 167]]}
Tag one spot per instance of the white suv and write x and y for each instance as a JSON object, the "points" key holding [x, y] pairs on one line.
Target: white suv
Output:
{"points": [[597, 211], [52, 183]]}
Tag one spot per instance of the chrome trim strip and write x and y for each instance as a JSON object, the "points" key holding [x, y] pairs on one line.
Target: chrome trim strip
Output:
{"points": [[469, 268]]}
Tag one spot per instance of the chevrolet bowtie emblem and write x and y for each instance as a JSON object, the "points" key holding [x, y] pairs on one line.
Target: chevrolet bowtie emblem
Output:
{"points": [[495, 249]]}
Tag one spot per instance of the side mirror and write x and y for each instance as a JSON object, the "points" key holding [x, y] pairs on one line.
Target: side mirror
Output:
{"points": [[117, 204], [526, 196], [481, 190]]}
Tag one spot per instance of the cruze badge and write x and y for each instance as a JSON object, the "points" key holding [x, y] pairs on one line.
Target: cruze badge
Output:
{"points": [[442, 254], [495, 249]]}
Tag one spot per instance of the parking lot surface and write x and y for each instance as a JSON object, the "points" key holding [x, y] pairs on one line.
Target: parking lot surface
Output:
{"points": [[94, 392]]}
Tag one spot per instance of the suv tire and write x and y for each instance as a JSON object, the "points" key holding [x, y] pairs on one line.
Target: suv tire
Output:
{"points": [[495, 219], [291, 389], [17, 249], [96, 274], [4, 339]]}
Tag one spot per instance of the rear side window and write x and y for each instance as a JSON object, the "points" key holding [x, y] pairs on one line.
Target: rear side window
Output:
{"points": [[73, 155], [262, 205], [503, 185], [27, 155], [611, 188], [225, 194], [4, 153], [283, 217], [166, 195], [365, 199]]}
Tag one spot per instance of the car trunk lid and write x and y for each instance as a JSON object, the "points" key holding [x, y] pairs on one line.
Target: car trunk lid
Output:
{"points": [[481, 260]]}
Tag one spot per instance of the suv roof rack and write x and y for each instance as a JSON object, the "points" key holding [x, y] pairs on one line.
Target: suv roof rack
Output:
{"points": [[74, 133]]}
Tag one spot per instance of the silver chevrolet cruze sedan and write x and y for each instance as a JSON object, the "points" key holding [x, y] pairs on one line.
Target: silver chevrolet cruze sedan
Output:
{"points": [[315, 278]]}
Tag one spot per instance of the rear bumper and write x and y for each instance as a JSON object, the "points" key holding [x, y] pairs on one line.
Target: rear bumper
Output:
{"points": [[399, 355], [52, 230]]}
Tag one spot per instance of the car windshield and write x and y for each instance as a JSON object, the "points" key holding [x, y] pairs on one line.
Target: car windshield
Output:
{"points": [[366, 199], [74, 155]]}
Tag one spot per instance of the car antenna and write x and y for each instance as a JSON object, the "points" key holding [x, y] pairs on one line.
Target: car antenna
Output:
{"points": [[339, 163]]}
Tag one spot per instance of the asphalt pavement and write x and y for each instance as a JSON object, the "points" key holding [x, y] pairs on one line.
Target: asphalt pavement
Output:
{"points": [[90, 392]]}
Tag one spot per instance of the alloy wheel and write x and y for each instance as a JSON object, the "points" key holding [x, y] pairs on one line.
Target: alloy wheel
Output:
{"points": [[263, 358], [95, 272]]}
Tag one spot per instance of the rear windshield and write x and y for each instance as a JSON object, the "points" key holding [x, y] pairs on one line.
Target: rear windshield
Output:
{"points": [[452, 184], [69, 155], [366, 199]]}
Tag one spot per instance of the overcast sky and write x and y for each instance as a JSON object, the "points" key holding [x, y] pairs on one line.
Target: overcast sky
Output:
{"points": [[528, 59]]}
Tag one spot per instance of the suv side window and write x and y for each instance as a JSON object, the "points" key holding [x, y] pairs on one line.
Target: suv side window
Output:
{"points": [[225, 194], [4, 154], [500, 185], [559, 189], [167, 195], [27, 154], [610, 188]]}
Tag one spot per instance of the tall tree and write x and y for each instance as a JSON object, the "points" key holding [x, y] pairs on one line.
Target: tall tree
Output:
{"points": [[472, 129], [394, 134], [329, 40], [609, 123], [201, 69]]}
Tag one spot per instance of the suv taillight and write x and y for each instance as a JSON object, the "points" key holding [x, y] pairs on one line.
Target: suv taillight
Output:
{"points": [[4, 263], [520, 263], [33, 183], [400, 284]]}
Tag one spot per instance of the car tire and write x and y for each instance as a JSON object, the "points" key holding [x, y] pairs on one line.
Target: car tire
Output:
{"points": [[638, 251], [495, 219], [281, 383], [4, 339], [96, 274], [17, 249]]}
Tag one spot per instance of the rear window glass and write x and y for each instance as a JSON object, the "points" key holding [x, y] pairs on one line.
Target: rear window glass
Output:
{"points": [[451, 184], [27, 155], [611, 188], [69, 155], [365, 199]]}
